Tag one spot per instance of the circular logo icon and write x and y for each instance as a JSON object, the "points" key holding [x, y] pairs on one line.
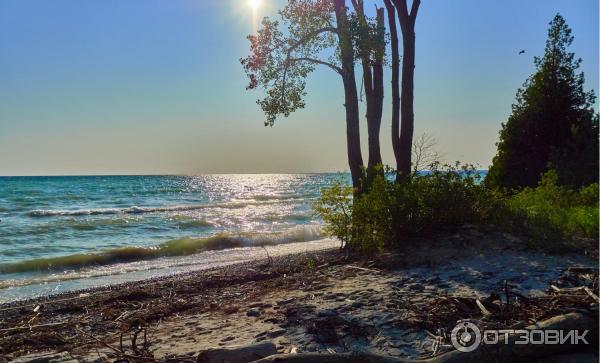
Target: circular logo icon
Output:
{"points": [[465, 337]]}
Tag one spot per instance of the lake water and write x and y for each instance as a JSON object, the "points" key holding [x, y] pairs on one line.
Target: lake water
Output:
{"points": [[60, 233]]}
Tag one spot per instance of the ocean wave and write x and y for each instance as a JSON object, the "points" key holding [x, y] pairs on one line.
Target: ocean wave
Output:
{"points": [[267, 197], [184, 222], [177, 247], [286, 217], [141, 210]]}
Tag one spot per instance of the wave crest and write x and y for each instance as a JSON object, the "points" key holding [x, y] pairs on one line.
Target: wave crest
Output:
{"points": [[177, 247]]}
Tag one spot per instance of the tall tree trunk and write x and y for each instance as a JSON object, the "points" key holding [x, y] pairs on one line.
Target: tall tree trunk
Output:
{"points": [[407, 24], [391, 12], [406, 106], [374, 122], [355, 161], [372, 51]]}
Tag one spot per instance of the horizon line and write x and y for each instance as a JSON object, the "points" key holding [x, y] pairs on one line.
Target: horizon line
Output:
{"points": [[183, 174]]}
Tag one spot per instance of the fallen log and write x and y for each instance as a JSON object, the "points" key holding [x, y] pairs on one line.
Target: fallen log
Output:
{"points": [[500, 352]]}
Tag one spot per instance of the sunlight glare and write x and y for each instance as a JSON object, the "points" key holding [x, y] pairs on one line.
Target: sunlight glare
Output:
{"points": [[254, 4]]}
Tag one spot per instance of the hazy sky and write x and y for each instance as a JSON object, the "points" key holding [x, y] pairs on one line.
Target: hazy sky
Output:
{"points": [[155, 86]]}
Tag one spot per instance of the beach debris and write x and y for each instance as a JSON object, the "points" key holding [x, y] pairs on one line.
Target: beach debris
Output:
{"points": [[311, 305], [508, 308], [31, 327], [255, 312], [138, 355], [511, 351], [362, 268], [269, 258], [484, 311]]}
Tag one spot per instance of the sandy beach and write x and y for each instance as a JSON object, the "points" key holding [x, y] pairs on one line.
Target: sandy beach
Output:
{"points": [[319, 301], [290, 181]]}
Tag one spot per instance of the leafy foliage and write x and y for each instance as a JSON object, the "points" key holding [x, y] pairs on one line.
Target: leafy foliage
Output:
{"points": [[285, 52], [554, 212], [368, 36], [451, 196], [446, 197], [334, 206], [281, 60], [553, 125]]}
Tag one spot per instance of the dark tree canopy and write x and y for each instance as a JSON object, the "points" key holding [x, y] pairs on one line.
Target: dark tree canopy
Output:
{"points": [[552, 125]]}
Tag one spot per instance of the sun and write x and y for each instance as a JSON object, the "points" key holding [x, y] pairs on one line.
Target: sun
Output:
{"points": [[254, 4]]}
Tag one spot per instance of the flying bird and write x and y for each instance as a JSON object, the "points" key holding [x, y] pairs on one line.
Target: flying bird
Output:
{"points": [[522, 52]]}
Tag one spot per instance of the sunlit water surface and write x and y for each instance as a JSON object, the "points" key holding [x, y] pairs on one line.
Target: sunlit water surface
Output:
{"points": [[64, 233]]}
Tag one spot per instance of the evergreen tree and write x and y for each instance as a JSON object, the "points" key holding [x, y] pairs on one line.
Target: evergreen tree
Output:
{"points": [[552, 125]]}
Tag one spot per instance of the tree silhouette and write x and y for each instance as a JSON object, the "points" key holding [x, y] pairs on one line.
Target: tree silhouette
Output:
{"points": [[280, 63], [370, 47], [552, 125], [403, 117], [281, 60]]}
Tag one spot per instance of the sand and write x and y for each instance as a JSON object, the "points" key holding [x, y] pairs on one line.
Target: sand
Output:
{"points": [[319, 301]]}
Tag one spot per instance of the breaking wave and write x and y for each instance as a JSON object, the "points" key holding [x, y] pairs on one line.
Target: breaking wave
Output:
{"points": [[177, 247]]}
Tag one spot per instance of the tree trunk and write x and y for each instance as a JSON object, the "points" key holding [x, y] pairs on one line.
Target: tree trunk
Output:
{"points": [[406, 107], [407, 24], [355, 161], [391, 12], [376, 112], [372, 54]]}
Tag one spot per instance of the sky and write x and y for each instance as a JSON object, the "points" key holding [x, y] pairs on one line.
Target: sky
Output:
{"points": [[155, 86]]}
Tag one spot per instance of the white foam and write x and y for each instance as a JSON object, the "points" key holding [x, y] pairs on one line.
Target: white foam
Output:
{"points": [[49, 284]]}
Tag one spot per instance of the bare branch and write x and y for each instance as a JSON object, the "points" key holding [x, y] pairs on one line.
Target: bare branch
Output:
{"points": [[424, 152]]}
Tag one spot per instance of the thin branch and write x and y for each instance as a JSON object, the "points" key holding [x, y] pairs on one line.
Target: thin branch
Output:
{"points": [[317, 61], [300, 42], [311, 35]]}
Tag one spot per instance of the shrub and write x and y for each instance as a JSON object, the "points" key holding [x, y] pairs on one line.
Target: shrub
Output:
{"points": [[334, 206], [442, 199], [554, 212]]}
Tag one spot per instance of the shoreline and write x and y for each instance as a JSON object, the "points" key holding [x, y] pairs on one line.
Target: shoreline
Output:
{"points": [[307, 302], [136, 271]]}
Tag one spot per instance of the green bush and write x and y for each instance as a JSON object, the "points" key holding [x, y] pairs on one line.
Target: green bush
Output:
{"points": [[387, 212], [450, 196], [554, 212], [335, 206]]}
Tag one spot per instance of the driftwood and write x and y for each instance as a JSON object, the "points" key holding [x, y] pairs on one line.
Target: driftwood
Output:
{"points": [[500, 352]]}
